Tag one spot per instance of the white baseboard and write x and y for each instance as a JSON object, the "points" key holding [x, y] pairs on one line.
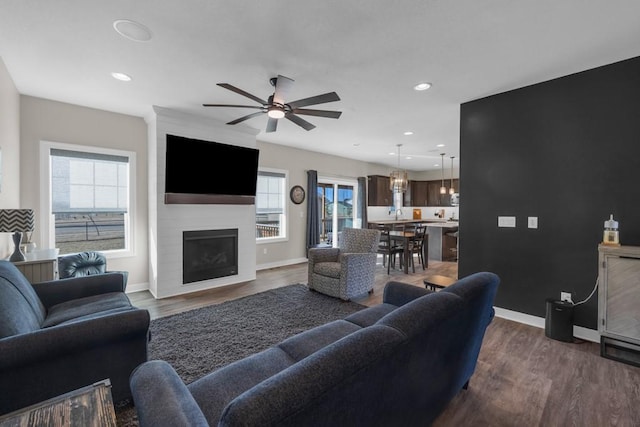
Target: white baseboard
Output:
{"points": [[280, 263], [137, 287], [539, 322]]}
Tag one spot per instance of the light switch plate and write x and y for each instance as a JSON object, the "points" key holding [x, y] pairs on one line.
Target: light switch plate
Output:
{"points": [[532, 222], [507, 221]]}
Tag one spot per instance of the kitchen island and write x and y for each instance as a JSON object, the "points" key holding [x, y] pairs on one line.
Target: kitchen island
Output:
{"points": [[441, 246]]}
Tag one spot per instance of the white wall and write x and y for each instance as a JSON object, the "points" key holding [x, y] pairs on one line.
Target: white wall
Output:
{"points": [[46, 120], [9, 151]]}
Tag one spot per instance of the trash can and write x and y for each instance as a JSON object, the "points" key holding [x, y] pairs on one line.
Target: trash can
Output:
{"points": [[559, 320]]}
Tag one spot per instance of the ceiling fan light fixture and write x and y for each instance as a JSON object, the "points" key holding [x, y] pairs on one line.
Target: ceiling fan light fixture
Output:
{"points": [[275, 112]]}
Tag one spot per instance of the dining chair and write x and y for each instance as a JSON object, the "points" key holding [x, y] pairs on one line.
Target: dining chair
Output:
{"points": [[418, 245], [388, 248]]}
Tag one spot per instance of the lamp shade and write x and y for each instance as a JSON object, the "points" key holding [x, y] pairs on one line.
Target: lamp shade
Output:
{"points": [[12, 220], [16, 221]]}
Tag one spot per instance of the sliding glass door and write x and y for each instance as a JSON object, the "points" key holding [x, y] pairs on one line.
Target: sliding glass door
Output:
{"points": [[337, 208]]}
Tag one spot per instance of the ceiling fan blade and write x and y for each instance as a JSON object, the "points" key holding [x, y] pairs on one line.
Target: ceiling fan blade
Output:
{"points": [[318, 113], [300, 122], [318, 99], [242, 92], [283, 87], [272, 124], [247, 117], [228, 105]]}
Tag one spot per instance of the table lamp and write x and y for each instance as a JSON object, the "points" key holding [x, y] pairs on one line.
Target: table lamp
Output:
{"points": [[16, 221]]}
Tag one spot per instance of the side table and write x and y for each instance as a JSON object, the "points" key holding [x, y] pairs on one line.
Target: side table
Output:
{"points": [[436, 282], [40, 265], [90, 406]]}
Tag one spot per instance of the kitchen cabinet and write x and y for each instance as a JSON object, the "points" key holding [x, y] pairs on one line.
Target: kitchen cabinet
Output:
{"points": [[434, 198], [618, 302], [419, 190], [442, 246], [378, 191]]}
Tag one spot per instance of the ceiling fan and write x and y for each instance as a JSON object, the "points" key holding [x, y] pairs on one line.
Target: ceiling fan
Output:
{"points": [[276, 106]]}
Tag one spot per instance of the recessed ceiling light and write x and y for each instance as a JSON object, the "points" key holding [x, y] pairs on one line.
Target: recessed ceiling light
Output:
{"points": [[407, 133], [132, 30], [440, 145], [422, 86], [121, 76]]}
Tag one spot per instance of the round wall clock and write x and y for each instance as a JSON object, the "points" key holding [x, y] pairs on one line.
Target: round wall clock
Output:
{"points": [[297, 194]]}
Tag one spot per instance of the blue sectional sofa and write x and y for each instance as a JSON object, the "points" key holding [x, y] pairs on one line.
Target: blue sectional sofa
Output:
{"points": [[398, 363]]}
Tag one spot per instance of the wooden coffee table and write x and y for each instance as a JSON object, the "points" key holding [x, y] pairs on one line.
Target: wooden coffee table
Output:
{"points": [[90, 406], [437, 281]]}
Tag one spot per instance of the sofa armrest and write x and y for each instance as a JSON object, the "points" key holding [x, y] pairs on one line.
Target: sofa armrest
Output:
{"points": [[57, 291], [399, 293], [161, 397], [323, 254], [48, 344]]}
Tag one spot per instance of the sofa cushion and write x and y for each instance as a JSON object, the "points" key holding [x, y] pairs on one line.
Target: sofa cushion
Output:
{"points": [[21, 311], [328, 269], [371, 315], [302, 345], [88, 307]]}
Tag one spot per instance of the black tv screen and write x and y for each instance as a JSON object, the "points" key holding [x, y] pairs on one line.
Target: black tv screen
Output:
{"points": [[200, 171]]}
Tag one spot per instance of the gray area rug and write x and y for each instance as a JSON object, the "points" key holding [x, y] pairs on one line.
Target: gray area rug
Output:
{"points": [[198, 341]]}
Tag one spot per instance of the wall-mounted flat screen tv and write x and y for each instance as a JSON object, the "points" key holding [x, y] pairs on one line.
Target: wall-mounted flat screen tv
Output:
{"points": [[208, 172]]}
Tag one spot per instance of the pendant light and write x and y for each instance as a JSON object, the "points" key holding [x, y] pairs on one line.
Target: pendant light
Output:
{"points": [[451, 189], [443, 189], [398, 180]]}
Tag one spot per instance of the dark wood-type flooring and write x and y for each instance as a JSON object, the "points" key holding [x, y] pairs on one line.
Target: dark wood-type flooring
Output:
{"points": [[522, 378]]}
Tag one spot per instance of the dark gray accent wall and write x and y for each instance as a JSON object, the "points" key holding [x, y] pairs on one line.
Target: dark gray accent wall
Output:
{"points": [[566, 151]]}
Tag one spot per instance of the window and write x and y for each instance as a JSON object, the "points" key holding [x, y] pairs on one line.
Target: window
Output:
{"points": [[90, 202], [271, 205]]}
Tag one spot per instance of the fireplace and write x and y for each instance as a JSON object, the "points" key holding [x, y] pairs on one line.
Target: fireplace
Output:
{"points": [[208, 254]]}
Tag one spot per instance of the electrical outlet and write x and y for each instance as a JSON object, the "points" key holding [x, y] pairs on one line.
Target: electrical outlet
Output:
{"points": [[566, 296]]}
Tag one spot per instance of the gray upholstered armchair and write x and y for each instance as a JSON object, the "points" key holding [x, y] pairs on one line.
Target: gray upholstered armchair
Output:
{"points": [[65, 334], [349, 270]]}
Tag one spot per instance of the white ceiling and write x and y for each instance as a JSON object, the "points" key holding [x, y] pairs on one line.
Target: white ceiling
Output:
{"points": [[371, 52]]}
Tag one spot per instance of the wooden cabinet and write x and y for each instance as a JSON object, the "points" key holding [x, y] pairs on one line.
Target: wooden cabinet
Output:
{"points": [[618, 302], [378, 191], [434, 198], [419, 191]]}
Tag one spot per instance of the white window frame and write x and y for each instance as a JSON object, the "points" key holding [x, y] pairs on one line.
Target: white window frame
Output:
{"points": [[46, 223], [285, 215]]}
